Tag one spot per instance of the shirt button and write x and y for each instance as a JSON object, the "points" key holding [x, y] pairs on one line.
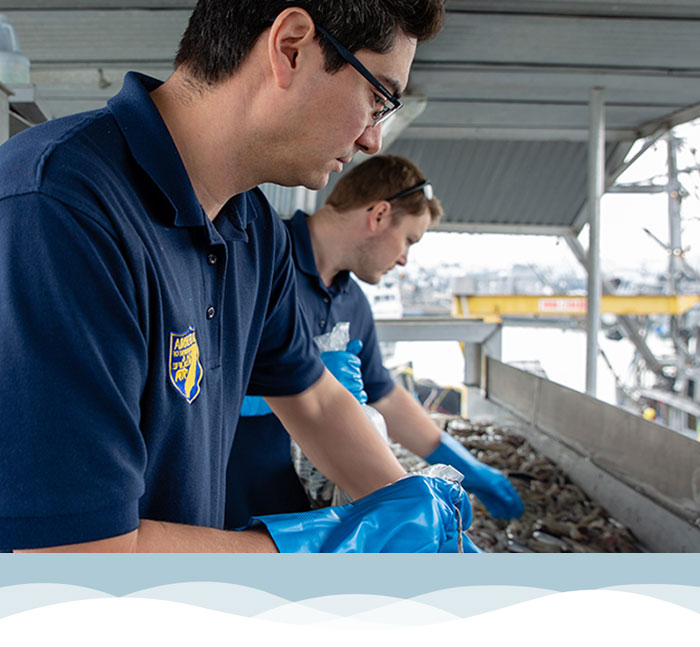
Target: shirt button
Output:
{"points": [[322, 323], [211, 259], [211, 312], [326, 300]]}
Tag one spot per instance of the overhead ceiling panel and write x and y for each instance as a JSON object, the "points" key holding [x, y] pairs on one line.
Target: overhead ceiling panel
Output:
{"points": [[505, 131], [630, 8], [529, 75], [507, 82], [575, 41], [91, 37]]}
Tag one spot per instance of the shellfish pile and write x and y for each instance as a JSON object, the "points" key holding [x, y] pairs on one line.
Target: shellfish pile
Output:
{"points": [[559, 517]]}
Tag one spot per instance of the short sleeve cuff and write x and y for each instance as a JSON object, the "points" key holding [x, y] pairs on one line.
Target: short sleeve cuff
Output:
{"points": [[43, 532], [376, 392], [289, 382]]}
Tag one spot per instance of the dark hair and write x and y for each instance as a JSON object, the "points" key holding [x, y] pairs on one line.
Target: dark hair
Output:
{"points": [[221, 33], [377, 179]]}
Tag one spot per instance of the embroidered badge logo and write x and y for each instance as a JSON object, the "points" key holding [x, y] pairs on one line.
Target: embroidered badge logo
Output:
{"points": [[185, 370]]}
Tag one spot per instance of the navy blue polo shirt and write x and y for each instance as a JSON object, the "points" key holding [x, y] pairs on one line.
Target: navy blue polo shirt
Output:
{"points": [[130, 327], [261, 478], [344, 300]]}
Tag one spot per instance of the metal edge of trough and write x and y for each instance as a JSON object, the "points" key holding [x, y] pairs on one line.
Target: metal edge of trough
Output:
{"points": [[663, 515]]}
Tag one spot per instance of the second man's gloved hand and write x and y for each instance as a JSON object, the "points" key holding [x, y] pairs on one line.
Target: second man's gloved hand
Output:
{"points": [[417, 514], [345, 366], [492, 487]]}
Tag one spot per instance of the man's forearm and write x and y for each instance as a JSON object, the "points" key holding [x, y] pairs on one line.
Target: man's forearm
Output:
{"points": [[337, 437], [164, 537], [407, 422]]}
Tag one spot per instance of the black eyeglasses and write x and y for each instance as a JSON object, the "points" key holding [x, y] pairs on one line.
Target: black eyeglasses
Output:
{"points": [[424, 186], [390, 104]]}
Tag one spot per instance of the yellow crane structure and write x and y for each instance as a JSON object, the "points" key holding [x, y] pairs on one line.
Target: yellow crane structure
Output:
{"points": [[491, 307]]}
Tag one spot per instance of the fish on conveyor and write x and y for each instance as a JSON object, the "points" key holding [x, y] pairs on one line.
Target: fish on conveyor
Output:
{"points": [[559, 517]]}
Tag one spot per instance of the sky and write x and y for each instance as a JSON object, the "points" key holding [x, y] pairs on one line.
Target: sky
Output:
{"points": [[624, 244]]}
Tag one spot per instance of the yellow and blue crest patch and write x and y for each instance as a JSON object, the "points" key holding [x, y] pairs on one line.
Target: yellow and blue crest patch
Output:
{"points": [[184, 366]]}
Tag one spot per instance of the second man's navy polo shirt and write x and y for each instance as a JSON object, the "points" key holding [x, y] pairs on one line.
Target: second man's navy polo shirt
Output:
{"points": [[261, 478]]}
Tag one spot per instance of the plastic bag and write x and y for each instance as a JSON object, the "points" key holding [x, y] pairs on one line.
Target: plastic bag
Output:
{"points": [[319, 489]]}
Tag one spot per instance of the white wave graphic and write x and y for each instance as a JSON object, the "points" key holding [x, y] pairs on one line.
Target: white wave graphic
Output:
{"points": [[604, 617], [430, 608], [23, 597], [679, 594], [378, 610], [217, 596], [440, 606], [466, 601]]}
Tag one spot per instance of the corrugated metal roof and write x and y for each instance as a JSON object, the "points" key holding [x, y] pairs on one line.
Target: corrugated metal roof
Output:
{"points": [[503, 134], [504, 186]]}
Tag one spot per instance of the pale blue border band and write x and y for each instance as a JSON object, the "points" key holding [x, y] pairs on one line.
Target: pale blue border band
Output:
{"points": [[297, 577]]}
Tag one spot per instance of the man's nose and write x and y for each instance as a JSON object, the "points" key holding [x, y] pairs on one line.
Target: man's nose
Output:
{"points": [[370, 141]]}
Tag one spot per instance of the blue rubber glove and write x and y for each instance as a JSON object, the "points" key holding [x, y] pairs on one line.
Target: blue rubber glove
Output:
{"points": [[417, 514], [494, 490], [346, 368], [254, 405]]}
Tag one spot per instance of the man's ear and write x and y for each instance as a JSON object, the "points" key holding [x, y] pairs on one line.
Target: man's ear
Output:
{"points": [[291, 34], [379, 217]]}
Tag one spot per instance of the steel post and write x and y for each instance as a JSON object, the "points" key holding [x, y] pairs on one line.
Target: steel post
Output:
{"points": [[596, 187], [5, 93], [674, 216]]}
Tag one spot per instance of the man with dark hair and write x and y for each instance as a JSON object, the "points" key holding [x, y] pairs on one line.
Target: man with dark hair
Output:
{"points": [[374, 214], [146, 283]]}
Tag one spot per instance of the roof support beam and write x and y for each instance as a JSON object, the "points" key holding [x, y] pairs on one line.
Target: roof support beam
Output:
{"points": [[501, 228], [650, 141], [513, 134], [637, 188]]}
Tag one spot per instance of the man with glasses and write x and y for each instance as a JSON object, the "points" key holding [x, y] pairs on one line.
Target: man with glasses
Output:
{"points": [[387, 101], [146, 284], [374, 214]]}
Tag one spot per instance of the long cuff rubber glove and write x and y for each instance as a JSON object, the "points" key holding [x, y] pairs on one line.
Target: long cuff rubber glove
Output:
{"points": [[347, 368], [493, 488], [417, 514], [254, 405]]}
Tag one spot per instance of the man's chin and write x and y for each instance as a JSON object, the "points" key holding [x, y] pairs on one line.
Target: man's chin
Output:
{"points": [[313, 183], [372, 280], [316, 184]]}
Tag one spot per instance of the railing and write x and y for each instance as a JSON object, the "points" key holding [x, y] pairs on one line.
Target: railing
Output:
{"points": [[478, 338]]}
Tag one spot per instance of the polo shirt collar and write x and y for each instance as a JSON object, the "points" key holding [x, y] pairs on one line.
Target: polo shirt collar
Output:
{"points": [[137, 116], [304, 253]]}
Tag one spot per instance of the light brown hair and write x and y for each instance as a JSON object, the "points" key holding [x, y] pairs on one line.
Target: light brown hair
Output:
{"points": [[379, 178]]}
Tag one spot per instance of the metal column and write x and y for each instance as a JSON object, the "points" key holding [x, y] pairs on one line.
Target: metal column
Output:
{"points": [[673, 188], [675, 266], [596, 186], [5, 93]]}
